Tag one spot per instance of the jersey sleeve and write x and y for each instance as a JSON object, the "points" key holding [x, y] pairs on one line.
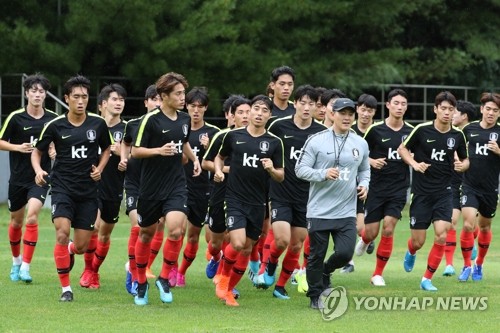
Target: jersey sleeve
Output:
{"points": [[105, 140], [47, 136], [226, 147], [278, 158], [462, 146], [411, 141], [8, 128], [304, 168], [214, 147]]}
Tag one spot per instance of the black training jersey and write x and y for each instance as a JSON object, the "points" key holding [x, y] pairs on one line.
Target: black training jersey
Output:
{"points": [[484, 169], [133, 173], [437, 149], [160, 175], [77, 150], [292, 189], [383, 142], [248, 181], [278, 113], [111, 184], [19, 128], [356, 129], [202, 182], [219, 189]]}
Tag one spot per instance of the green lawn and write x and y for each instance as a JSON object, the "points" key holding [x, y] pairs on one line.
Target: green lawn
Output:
{"points": [[35, 307]]}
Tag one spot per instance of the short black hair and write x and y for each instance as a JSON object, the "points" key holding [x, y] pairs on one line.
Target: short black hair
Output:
{"points": [[35, 79], [197, 94], [467, 108], [278, 71]]}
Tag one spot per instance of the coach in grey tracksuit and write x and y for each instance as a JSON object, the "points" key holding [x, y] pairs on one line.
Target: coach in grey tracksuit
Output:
{"points": [[335, 162]]}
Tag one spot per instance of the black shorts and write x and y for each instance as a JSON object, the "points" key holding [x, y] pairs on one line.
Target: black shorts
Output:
{"points": [[243, 216], [360, 206], [217, 218], [197, 210], [110, 210], [486, 204], [378, 206], [456, 194], [81, 212], [131, 197], [293, 213], [20, 194], [425, 209], [150, 211]]}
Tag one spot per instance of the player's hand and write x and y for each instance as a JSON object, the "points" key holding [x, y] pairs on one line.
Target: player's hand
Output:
{"points": [[218, 177], [52, 152], [267, 164], [332, 174], [362, 192], [40, 178], [25, 148], [196, 168], [168, 149], [204, 140], [493, 146], [378, 163], [115, 148], [421, 167], [95, 174], [122, 166]]}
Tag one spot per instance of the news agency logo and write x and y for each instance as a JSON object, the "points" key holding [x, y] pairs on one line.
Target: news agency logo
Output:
{"points": [[336, 302]]}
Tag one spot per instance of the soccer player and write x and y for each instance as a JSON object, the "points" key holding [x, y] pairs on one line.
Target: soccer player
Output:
{"points": [[77, 136], [110, 187], [18, 134], [282, 83], [132, 180], [366, 108], [335, 162], [288, 199], [389, 182], [199, 188], [433, 145], [238, 111], [465, 112], [480, 184], [256, 157], [161, 141]]}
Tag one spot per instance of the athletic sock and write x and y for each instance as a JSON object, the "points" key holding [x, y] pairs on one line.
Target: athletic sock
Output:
{"points": [[483, 244], [15, 235], [228, 260], [451, 244], [410, 247], [290, 261], [466, 244], [238, 270], [266, 249], [434, 259], [155, 246], [141, 259], [132, 240], [29, 242], [274, 253], [363, 238], [188, 257], [89, 255], [100, 255], [254, 256], [61, 258], [384, 251], [171, 251]]}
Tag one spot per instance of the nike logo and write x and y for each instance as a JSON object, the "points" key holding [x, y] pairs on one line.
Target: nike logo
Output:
{"points": [[165, 131], [288, 136], [65, 136], [42, 196], [473, 135], [429, 141], [91, 225], [385, 140], [27, 128], [329, 153], [240, 142]]}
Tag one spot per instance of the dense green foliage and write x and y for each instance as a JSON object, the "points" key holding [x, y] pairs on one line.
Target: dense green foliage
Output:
{"points": [[231, 46]]}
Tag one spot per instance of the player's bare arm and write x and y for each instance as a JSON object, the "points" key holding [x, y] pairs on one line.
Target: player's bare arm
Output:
{"points": [[40, 174], [25, 147], [218, 166], [191, 156], [124, 155], [378, 163], [96, 171]]}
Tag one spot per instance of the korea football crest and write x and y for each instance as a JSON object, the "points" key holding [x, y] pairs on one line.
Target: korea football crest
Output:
{"points": [[493, 136], [185, 128], [355, 154], [264, 147], [117, 136], [91, 135], [450, 143]]}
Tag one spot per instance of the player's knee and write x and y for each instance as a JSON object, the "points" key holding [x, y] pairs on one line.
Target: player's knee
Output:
{"points": [[281, 243]]}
